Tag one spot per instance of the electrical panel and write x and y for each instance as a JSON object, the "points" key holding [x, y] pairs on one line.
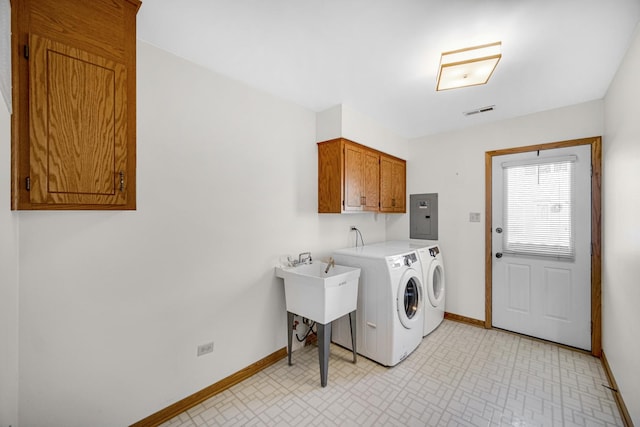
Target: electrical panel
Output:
{"points": [[423, 216]]}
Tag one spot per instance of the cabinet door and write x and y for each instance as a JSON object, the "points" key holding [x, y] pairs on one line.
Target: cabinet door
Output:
{"points": [[371, 181], [392, 185], [399, 187], [386, 190], [353, 167], [78, 126]]}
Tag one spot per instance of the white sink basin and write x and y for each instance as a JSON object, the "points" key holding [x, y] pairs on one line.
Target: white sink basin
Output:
{"points": [[319, 296]]}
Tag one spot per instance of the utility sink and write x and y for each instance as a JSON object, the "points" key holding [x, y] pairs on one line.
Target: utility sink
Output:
{"points": [[321, 293], [319, 296]]}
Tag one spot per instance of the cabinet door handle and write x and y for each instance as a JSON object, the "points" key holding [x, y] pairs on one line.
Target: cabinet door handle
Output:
{"points": [[121, 181]]}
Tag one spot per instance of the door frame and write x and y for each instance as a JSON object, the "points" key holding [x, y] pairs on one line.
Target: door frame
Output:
{"points": [[596, 237]]}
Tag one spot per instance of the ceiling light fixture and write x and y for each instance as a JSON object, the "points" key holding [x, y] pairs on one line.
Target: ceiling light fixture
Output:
{"points": [[470, 66]]}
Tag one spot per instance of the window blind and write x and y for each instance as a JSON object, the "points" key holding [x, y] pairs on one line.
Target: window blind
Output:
{"points": [[539, 207]]}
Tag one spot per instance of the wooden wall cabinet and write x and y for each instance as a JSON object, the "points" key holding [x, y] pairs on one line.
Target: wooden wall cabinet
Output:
{"points": [[350, 178], [74, 92]]}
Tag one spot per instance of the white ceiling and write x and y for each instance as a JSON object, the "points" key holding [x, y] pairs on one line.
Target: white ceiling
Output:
{"points": [[380, 57]]}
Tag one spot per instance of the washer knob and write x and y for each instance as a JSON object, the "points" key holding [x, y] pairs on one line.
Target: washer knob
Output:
{"points": [[407, 261]]}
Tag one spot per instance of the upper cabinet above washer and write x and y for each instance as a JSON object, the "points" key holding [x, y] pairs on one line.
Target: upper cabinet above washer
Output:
{"points": [[350, 179], [74, 124]]}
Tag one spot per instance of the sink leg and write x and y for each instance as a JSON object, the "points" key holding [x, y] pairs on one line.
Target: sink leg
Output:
{"points": [[289, 335], [324, 337], [352, 324]]}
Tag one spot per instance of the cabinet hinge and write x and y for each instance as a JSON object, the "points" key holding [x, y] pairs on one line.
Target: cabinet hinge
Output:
{"points": [[26, 51], [27, 183]]}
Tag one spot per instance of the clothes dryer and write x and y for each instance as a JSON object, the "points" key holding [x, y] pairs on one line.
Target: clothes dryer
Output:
{"points": [[433, 268], [390, 312]]}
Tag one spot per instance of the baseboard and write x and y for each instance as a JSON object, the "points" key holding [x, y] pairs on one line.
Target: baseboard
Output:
{"points": [[198, 397], [463, 319], [624, 413]]}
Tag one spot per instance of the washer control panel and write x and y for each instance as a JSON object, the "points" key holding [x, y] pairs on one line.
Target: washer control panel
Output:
{"points": [[403, 260], [410, 259]]}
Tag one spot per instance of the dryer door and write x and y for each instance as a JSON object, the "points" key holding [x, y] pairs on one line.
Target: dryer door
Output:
{"points": [[409, 300], [435, 282]]}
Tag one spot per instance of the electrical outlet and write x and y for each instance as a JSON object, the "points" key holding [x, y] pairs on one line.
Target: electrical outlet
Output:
{"points": [[353, 228], [205, 348], [474, 216]]}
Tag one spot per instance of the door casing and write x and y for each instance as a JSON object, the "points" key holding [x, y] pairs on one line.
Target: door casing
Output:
{"points": [[596, 238]]}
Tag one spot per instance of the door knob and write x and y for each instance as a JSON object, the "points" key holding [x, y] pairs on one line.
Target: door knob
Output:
{"points": [[499, 255]]}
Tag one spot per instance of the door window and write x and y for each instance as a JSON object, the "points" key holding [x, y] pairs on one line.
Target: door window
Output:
{"points": [[539, 207]]}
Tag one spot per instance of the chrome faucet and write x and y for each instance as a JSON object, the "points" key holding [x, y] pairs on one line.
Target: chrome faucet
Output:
{"points": [[304, 258]]}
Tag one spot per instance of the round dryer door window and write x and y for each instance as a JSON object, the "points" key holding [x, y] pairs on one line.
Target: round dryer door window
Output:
{"points": [[435, 287], [410, 300]]}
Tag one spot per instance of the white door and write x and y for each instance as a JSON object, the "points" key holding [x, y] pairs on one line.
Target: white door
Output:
{"points": [[541, 244]]}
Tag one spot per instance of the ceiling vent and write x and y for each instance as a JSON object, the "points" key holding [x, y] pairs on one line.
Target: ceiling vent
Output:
{"points": [[480, 110]]}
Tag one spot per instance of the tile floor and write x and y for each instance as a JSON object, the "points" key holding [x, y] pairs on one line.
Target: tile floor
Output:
{"points": [[460, 375]]}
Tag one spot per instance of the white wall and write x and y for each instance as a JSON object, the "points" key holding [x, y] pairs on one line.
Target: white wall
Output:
{"points": [[341, 121], [114, 304], [360, 128], [452, 165], [8, 283], [621, 229]]}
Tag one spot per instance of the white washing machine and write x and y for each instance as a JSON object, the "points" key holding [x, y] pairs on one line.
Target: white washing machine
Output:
{"points": [[390, 313], [433, 278]]}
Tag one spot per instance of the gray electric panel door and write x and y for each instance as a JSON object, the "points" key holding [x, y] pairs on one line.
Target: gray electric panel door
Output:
{"points": [[423, 211]]}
